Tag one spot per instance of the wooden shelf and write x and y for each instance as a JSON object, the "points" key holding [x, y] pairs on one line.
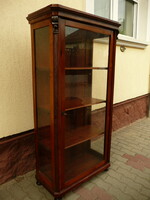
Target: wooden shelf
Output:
{"points": [[75, 103], [81, 134], [81, 162], [85, 68]]}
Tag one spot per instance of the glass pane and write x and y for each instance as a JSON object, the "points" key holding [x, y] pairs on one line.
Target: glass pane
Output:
{"points": [[126, 16], [87, 55], [85, 87], [90, 120], [85, 48], [102, 8], [84, 139], [42, 50]]}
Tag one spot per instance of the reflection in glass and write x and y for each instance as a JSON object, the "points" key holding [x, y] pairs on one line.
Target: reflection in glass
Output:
{"points": [[85, 48], [85, 87], [42, 49], [84, 124], [126, 16], [84, 140], [102, 8]]}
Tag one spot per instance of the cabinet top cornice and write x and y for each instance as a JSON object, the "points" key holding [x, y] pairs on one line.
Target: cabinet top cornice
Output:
{"points": [[71, 14]]}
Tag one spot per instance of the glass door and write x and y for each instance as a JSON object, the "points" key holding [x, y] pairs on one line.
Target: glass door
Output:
{"points": [[86, 70]]}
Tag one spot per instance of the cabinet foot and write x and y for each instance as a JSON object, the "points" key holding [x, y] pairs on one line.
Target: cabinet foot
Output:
{"points": [[58, 198], [106, 170], [38, 183]]}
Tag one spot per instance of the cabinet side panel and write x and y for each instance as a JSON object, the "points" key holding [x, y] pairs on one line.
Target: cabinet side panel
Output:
{"points": [[43, 101]]}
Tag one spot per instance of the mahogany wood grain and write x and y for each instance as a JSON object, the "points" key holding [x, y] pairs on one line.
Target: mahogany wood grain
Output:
{"points": [[74, 103], [83, 68], [64, 156], [81, 134]]}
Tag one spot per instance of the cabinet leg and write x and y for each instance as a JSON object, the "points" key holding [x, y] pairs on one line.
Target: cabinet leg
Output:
{"points": [[38, 183]]}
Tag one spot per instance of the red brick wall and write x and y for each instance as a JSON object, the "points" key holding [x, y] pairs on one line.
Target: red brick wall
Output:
{"points": [[126, 112]]}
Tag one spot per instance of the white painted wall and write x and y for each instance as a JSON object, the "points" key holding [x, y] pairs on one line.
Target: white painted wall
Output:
{"points": [[131, 74]]}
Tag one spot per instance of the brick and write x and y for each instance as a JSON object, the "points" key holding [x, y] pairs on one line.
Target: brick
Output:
{"points": [[129, 157], [124, 146], [114, 142], [145, 152], [120, 158], [119, 194], [143, 182], [118, 152], [101, 194], [103, 175], [45, 192], [5, 195], [16, 191], [145, 192], [88, 185], [138, 151], [71, 195], [144, 159], [94, 193], [122, 165], [137, 165], [140, 174], [102, 184], [112, 159], [131, 183], [129, 145], [34, 193], [116, 183], [135, 194], [128, 152], [85, 194], [126, 173], [114, 174], [144, 146], [24, 184], [147, 171], [114, 166]]}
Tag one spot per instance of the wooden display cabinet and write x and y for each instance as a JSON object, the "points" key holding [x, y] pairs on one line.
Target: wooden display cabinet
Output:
{"points": [[73, 57]]}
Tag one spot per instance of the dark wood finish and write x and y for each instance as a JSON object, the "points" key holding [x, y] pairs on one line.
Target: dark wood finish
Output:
{"points": [[76, 136], [74, 103], [91, 158], [73, 118], [83, 68]]}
